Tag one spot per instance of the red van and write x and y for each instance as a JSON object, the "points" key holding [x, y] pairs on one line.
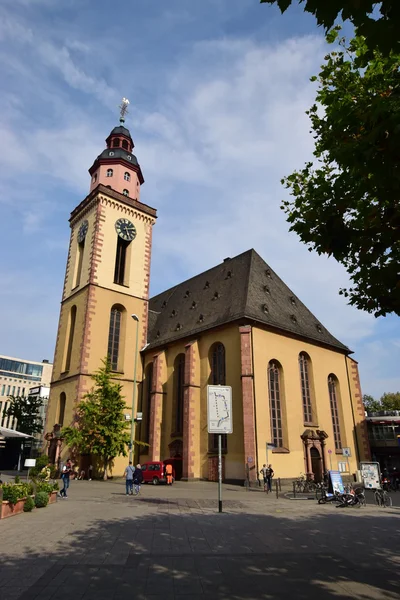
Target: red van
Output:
{"points": [[154, 472]]}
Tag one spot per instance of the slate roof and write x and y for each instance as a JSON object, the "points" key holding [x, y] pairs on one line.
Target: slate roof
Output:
{"points": [[121, 130], [241, 288], [118, 153]]}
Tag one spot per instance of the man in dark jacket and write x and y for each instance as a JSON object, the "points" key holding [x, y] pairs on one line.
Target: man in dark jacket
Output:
{"points": [[137, 479]]}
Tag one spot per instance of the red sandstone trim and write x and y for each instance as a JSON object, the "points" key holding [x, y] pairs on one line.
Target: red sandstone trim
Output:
{"points": [[249, 424], [189, 414]]}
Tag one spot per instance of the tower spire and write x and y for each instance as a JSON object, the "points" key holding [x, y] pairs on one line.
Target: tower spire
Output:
{"points": [[123, 109]]}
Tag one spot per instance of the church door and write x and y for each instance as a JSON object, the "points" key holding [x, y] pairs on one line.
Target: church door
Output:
{"points": [[316, 464]]}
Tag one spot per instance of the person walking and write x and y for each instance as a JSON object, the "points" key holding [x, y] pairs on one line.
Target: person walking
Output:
{"points": [[168, 473], [66, 472], [137, 479], [129, 471], [263, 472], [269, 476]]}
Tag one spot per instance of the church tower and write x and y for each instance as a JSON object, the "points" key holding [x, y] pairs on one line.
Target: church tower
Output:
{"points": [[106, 281]]}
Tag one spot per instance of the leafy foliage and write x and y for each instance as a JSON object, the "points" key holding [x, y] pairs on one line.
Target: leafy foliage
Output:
{"points": [[41, 499], [348, 205], [41, 462], [101, 429], [29, 504], [44, 486], [26, 411], [388, 401], [381, 30], [370, 403], [15, 491]]}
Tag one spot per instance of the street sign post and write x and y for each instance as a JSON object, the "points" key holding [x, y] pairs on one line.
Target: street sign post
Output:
{"points": [[219, 421]]}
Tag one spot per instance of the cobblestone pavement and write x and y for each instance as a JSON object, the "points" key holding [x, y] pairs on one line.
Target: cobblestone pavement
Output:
{"points": [[172, 543]]}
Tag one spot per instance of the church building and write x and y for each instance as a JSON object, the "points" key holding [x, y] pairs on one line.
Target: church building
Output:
{"points": [[296, 396]]}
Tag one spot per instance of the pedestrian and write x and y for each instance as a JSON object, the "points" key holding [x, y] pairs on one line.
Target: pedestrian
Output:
{"points": [[263, 472], [129, 471], [168, 472], [269, 473], [137, 479], [45, 473], [90, 472], [66, 472]]}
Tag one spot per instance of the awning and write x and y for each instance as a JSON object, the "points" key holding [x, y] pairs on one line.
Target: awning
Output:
{"points": [[11, 433]]}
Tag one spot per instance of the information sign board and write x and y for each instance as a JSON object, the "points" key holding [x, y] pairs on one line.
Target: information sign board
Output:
{"points": [[336, 482], [371, 475], [346, 452], [219, 409]]}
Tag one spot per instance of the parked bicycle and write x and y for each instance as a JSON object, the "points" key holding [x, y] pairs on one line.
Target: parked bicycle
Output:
{"points": [[382, 498], [304, 485]]}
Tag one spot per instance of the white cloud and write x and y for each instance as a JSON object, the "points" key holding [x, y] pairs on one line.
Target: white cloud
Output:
{"points": [[213, 146]]}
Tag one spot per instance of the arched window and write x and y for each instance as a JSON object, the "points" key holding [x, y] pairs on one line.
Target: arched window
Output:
{"points": [[110, 172], [275, 403], [179, 380], [218, 364], [127, 176], [218, 377], [71, 332], [333, 386], [114, 336], [125, 144], [125, 192], [306, 387], [116, 143], [61, 409]]}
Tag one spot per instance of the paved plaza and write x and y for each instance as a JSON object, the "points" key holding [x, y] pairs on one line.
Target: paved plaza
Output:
{"points": [[172, 543]]}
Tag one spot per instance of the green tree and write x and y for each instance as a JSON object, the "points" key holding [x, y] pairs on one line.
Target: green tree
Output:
{"points": [[381, 30], [26, 412], [347, 206], [390, 401], [370, 403], [101, 428]]}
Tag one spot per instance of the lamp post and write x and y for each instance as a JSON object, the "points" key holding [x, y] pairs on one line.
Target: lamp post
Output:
{"points": [[135, 318]]}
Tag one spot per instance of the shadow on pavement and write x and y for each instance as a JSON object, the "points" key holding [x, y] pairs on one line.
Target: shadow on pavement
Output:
{"points": [[236, 556]]}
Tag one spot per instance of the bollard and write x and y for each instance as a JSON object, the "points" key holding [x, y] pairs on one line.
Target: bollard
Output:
{"points": [[294, 490], [276, 486], [279, 481]]}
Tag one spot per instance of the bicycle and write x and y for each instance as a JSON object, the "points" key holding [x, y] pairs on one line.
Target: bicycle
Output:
{"points": [[382, 498]]}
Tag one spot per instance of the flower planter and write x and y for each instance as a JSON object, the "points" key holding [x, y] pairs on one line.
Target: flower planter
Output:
{"points": [[9, 510]]}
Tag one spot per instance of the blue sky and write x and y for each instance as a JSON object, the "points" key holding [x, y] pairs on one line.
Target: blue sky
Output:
{"points": [[218, 92]]}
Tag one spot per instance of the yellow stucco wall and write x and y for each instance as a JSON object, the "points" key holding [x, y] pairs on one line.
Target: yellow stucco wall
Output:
{"points": [[269, 346]]}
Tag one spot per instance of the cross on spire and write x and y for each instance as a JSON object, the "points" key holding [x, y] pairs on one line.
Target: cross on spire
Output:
{"points": [[123, 109]]}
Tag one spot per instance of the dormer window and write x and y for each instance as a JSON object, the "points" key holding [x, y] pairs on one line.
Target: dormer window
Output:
{"points": [[110, 172], [125, 144], [127, 176], [111, 153], [125, 192], [116, 143], [129, 157]]}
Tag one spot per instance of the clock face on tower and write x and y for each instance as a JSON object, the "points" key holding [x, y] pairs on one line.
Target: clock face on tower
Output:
{"points": [[82, 231], [125, 229]]}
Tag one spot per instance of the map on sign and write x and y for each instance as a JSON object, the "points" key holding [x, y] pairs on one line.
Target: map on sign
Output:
{"points": [[219, 409]]}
